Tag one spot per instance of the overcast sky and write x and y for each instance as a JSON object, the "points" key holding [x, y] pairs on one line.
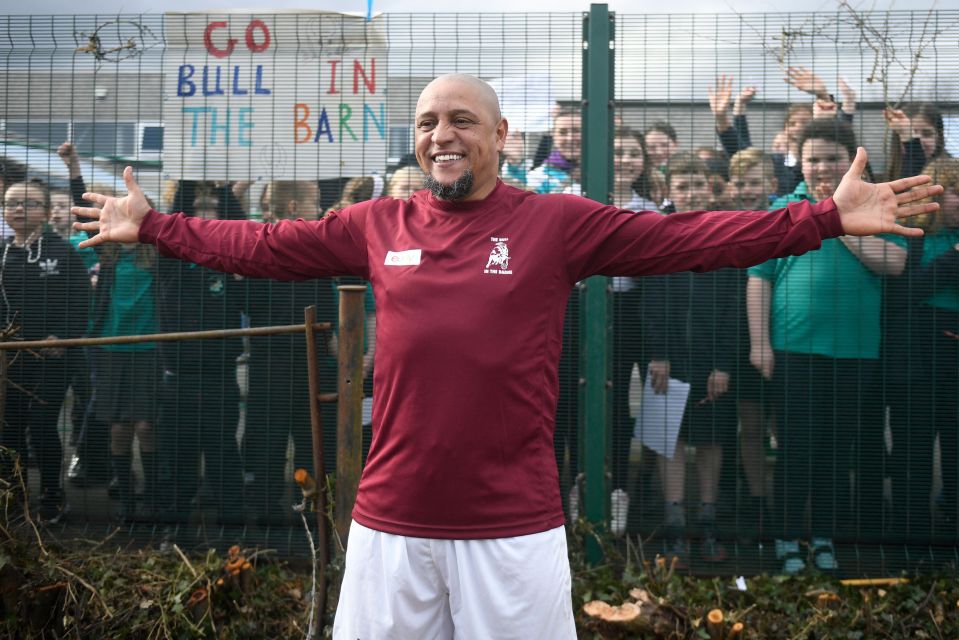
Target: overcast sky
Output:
{"points": [[442, 6]]}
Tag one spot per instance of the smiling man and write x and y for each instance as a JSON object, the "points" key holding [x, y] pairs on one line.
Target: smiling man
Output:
{"points": [[455, 123], [458, 524]]}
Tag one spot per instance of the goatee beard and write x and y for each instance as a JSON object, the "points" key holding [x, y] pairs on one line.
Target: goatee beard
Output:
{"points": [[456, 190]]}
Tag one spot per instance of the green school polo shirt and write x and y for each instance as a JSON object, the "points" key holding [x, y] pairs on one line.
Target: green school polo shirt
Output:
{"points": [[946, 294], [824, 302], [132, 305], [89, 255]]}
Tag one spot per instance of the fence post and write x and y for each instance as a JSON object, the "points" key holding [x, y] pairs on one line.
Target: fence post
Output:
{"points": [[596, 174], [319, 472], [349, 409]]}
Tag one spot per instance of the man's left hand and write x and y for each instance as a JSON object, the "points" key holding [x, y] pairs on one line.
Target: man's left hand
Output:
{"points": [[868, 209]]}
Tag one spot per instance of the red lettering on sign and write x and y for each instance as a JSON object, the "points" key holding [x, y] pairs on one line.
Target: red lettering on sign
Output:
{"points": [[333, 64], [251, 43], [369, 81], [208, 40]]}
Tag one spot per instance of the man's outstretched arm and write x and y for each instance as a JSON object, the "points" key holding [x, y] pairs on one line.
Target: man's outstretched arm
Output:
{"points": [[289, 250], [640, 244]]}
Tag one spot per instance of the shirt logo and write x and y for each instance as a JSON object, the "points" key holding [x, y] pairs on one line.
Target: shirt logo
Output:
{"points": [[408, 258], [498, 262], [48, 267]]}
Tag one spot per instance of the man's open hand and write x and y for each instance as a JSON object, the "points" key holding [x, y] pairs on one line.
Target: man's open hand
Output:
{"points": [[115, 219], [868, 209]]}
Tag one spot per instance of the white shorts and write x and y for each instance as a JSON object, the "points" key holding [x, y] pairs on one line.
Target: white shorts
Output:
{"points": [[396, 587]]}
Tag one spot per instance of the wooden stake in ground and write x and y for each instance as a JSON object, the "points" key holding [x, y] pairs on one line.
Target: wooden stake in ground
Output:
{"points": [[714, 624], [349, 407], [316, 423]]}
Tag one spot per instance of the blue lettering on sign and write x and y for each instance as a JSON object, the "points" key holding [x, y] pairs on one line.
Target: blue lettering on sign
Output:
{"points": [[244, 125], [214, 77], [323, 125], [379, 124], [216, 91], [259, 89], [196, 111], [184, 86], [237, 89], [225, 128]]}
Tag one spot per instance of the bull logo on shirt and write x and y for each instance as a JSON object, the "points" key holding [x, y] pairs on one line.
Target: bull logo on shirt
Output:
{"points": [[498, 258]]}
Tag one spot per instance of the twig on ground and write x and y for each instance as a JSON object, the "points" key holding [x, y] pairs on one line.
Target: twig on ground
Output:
{"points": [[89, 587], [313, 593], [97, 544], [186, 560]]}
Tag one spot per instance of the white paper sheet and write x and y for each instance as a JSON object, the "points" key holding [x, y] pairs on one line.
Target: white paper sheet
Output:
{"points": [[661, 416]]}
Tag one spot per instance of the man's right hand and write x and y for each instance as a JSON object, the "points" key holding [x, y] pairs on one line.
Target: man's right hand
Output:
{"points": [[117, 219]]}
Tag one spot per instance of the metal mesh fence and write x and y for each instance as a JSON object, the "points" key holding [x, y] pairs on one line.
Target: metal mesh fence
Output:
{"points": [[228, 116], [823, 393], [826, 444]]}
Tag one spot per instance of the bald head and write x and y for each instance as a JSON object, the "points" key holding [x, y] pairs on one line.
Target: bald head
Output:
{"points": [[480, 91], [460, 132]]}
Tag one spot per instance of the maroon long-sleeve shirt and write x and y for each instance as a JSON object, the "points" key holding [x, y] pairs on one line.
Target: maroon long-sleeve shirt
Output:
{"points": [[469, 301]]}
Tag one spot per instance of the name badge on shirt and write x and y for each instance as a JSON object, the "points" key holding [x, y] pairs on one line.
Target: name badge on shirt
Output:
{"points": [[407, 258]]}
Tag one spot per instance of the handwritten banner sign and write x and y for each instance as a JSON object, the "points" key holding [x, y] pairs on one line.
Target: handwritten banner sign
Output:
{"points": [[288, 96]]}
